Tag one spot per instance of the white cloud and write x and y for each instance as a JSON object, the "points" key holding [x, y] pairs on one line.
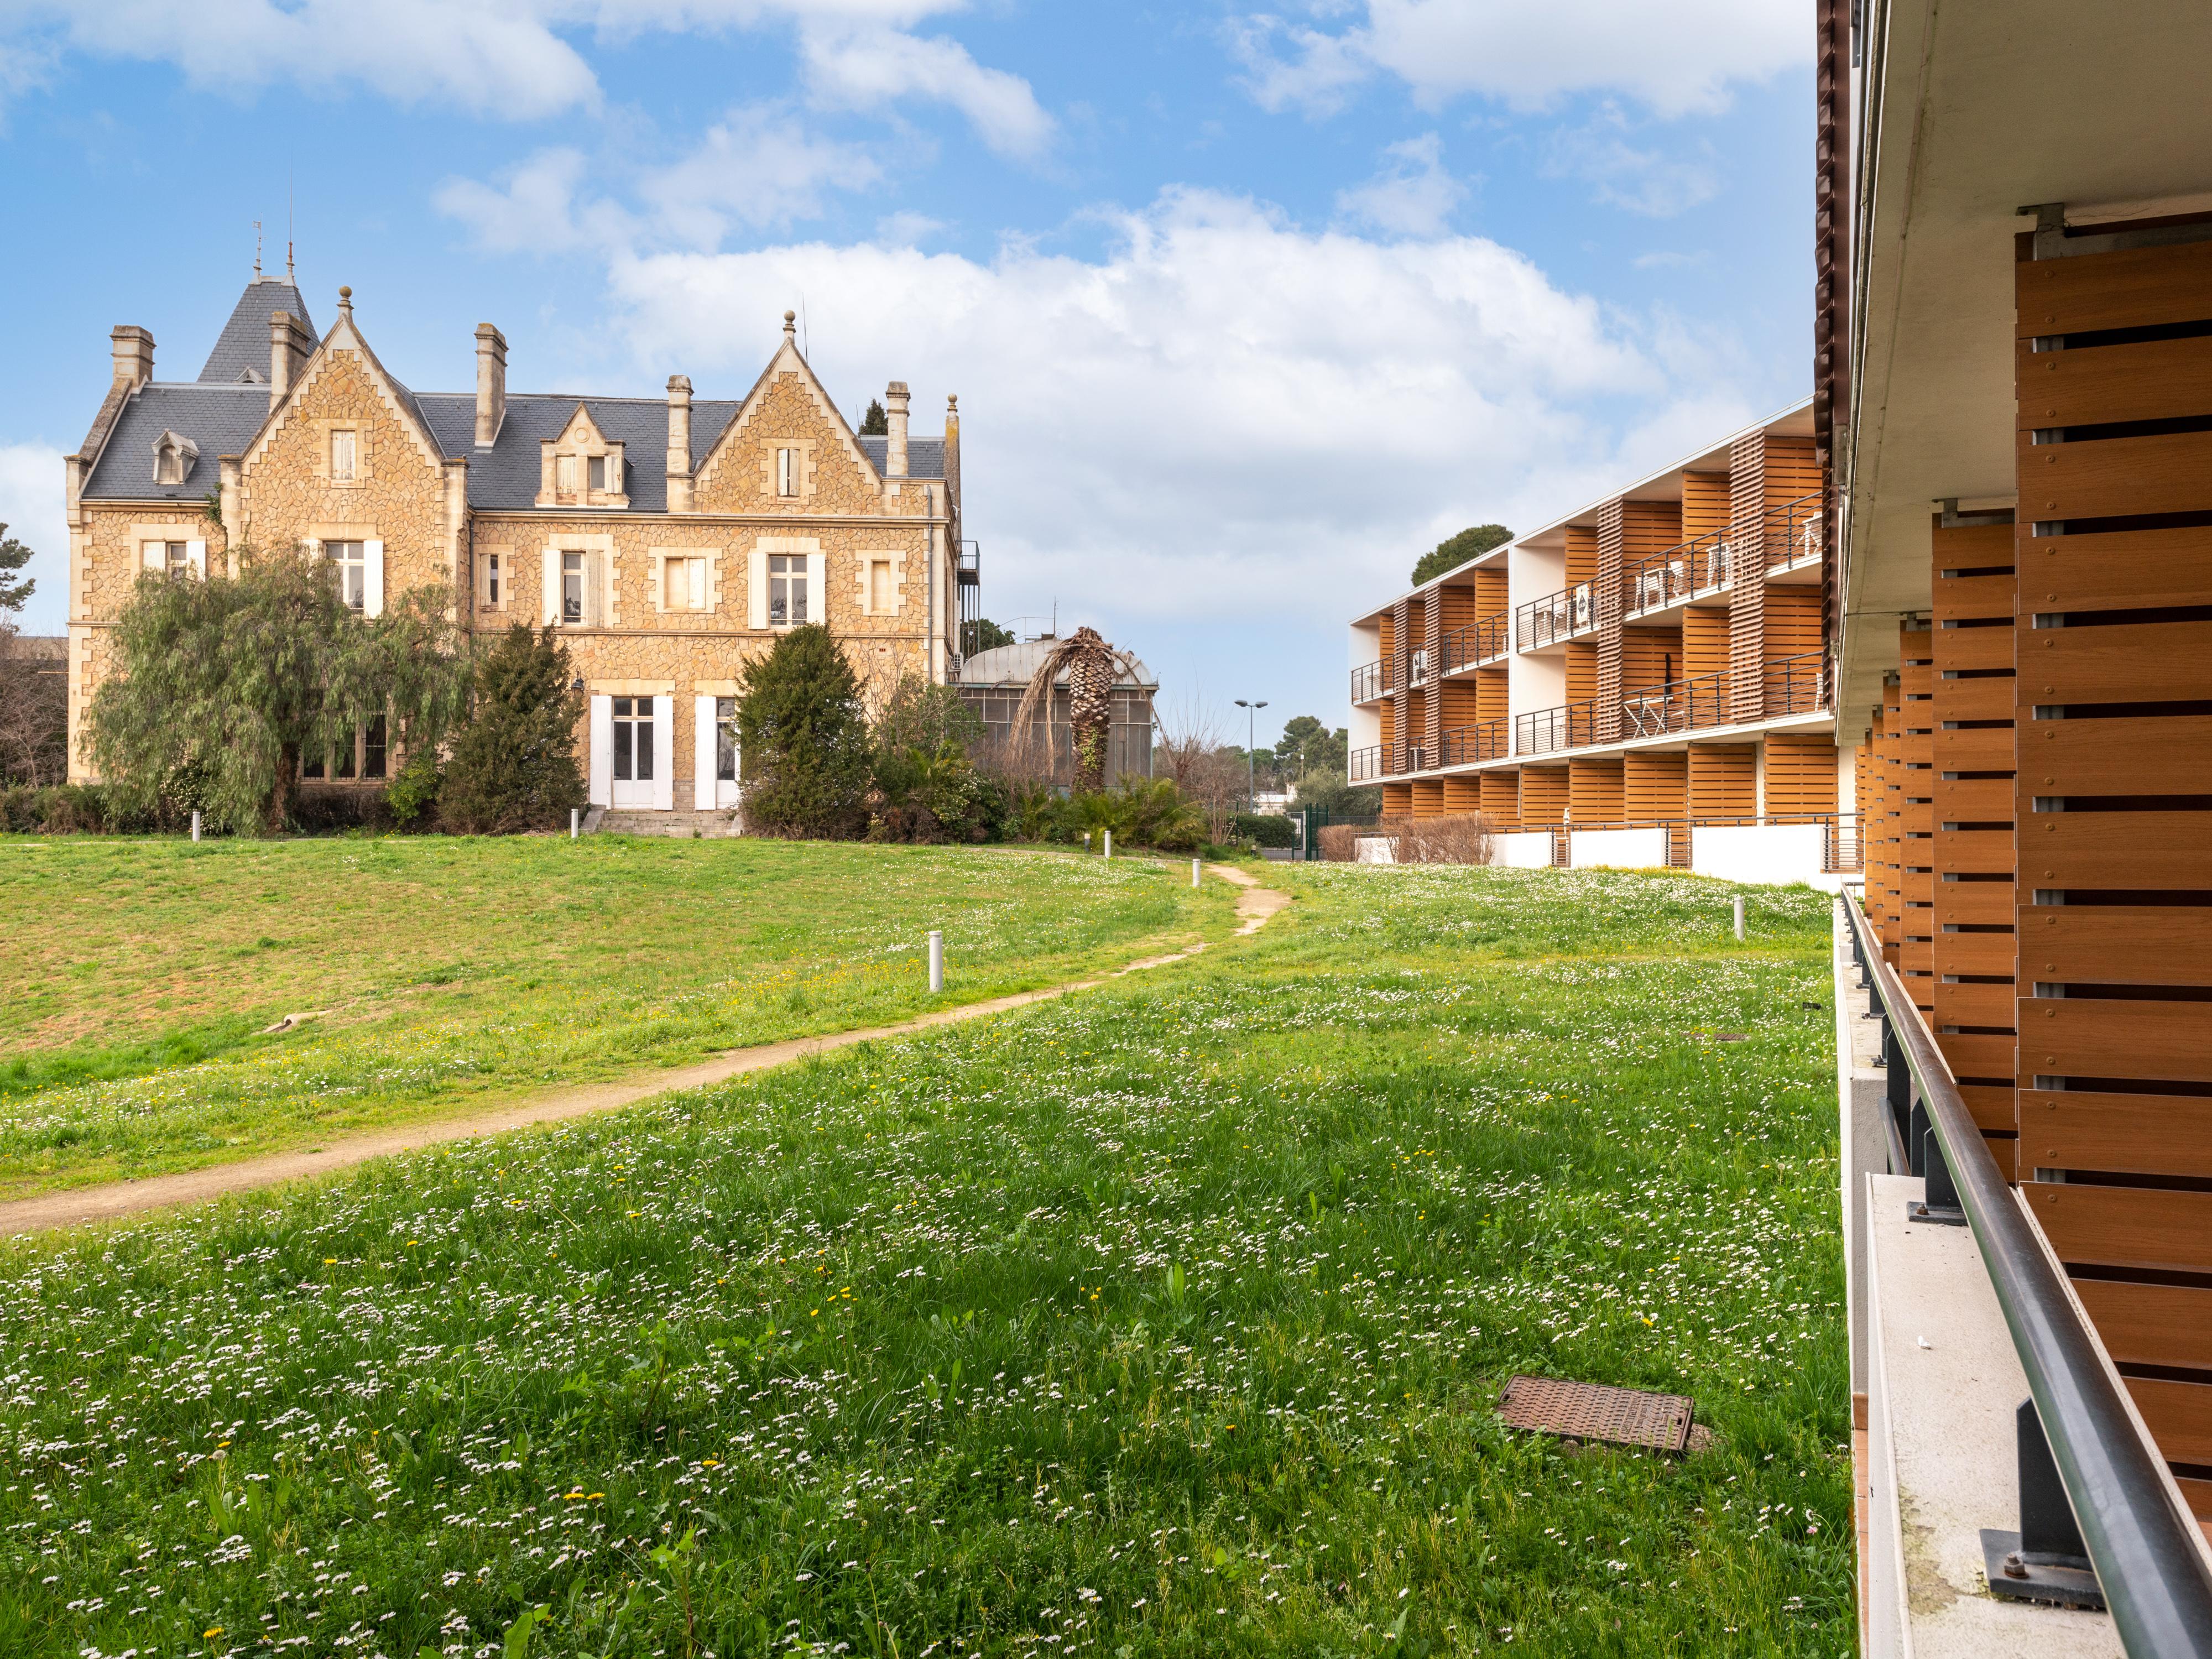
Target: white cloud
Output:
{"points": [[757, 168], [1674, 59], [906, 229], [31, 507], [1225, 414], [866, 69], [1645, 181], [1413, 195], [514, 58]]}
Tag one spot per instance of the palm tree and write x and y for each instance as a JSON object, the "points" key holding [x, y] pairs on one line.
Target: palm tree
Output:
{"points": [[1092, 666]]}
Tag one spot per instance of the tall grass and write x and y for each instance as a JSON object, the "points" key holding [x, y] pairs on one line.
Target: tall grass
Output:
{"points": [[1168, 1319]]}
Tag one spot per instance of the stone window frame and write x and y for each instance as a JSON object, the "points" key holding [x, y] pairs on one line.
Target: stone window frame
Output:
{"points": [[324, 429], [602, 575], [867, 558], [507, 566], [582, 441], [771, 465], [656, 581]]}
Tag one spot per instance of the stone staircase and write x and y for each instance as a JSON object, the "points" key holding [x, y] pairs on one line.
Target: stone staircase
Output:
{"points": [[683, 822]]}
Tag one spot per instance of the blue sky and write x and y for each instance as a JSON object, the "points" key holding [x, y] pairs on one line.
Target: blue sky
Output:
{"points": [[1245, 308]]}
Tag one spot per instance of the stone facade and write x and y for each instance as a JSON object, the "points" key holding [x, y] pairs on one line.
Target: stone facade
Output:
{"points": [[673, 600]]}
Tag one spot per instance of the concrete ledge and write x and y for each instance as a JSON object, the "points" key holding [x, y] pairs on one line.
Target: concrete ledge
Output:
{"points": [[1943, 1381]]}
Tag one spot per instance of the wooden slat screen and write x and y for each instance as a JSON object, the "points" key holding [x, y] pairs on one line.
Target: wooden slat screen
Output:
{"points": [[1594, 791], [1704, 642], [1612, 529], [1397, 800], [1916, 886], [2114, 918], [1705, 505], [1458, 702], [1456, 606], [1464, 793], [1543, 794], [1650, 657], [1793, 621], [1801, 775], [1654, 786], [1489, 593], [1582, 553], [1428, 798], [1975, 862], [1501, 796], [1723, 781], [1582, 670], [1489, 693], [1748, 596]]}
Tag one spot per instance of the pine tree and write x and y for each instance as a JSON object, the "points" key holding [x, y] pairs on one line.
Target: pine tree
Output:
{"points": [[514, 765], [876, 423], [1456, 551], [804, 740]]}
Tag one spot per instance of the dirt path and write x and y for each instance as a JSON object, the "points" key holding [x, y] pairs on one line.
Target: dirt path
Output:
{"points": [[78, 1206]]}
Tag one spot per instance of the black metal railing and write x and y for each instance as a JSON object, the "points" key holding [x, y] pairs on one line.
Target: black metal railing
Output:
{"points": [[1704, 565], [1475, 642], [1369, 681], [1559, 615], [1792, 533], [2148, 1559], [968, 566], [1364, 763], [1543, 730], [1678, 706], [1797, 685], [1463, 745]]}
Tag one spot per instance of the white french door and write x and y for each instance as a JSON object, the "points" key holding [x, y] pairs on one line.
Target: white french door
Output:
{"points": [[726, 751], [635, 753]]}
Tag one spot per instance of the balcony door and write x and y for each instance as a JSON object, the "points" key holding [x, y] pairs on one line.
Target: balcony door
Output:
{"points": [[635, 752]]}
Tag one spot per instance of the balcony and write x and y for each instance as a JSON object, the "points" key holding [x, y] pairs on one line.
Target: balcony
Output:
{"points": [[1557, 616], [1481, 641], [1365, 765], [1792, 535], [1545, 730], [1679, 706], [1797, 685], [1369, 681], [1701, 565], [1463, 745], [969, 564]]}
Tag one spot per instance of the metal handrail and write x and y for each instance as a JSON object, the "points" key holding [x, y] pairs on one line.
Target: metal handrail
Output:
{"points": [[1481, 740], [1677, 705], [1700, 565], [1364, 763], [1542, 730], [1791, 532], [1559, 615], [1794, 685], [1471, 643], [2149, 1559], [1369, 681]]}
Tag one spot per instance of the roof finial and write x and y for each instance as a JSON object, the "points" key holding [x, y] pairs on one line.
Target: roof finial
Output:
{"points": [[952, 402], [345, 301], [790, 323], [256, 250]]}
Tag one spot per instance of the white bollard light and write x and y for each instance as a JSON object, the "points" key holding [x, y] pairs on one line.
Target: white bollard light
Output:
{"points": [[1110, 843], [1739, 918], [936, 961], [196, 823], [575, 818], [1194, 872]]}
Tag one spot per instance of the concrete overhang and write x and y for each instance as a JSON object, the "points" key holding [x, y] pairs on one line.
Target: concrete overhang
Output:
{"points": [[1974, 109]]}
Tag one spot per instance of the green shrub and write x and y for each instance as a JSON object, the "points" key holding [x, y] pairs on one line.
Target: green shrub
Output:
{"points": [[1266, 829], [414, 791], [807, 761], [512, 767]]}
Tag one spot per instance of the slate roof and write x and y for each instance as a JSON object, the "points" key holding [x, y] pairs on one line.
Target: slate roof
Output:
{"points": [[243, 344], [221, 414], [221, 419]]}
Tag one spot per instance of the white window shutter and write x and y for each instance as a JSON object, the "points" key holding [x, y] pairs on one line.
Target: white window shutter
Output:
{"points": [[818, 587], [702, 753], [757, 589], [602, 768], [156, 557], [314, 548], [553, 595], [371, 578], [663, 770], [196, 559]]}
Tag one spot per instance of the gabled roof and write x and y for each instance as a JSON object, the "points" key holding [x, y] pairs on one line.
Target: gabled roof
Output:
{"points": [[221, 419], [241, 350], [506, 476]]}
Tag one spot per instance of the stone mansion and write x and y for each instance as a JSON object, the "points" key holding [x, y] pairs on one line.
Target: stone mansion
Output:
{"points": [[669, 541]]}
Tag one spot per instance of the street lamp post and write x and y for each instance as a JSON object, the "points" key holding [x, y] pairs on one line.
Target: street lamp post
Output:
{"points": [[1251, 722]]}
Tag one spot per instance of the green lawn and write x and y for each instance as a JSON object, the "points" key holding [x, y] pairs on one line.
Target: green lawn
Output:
{"points": [[1168, 1319], [445, 974]]}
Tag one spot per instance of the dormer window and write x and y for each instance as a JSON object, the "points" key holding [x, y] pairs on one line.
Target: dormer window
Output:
{"points": [[173, 458], [582, 467]]}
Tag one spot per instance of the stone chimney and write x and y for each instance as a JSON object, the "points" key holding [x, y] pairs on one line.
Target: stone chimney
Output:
{"points": [[679, 443], [491, 384], [894, 400], [134, 356], [288, 351]]}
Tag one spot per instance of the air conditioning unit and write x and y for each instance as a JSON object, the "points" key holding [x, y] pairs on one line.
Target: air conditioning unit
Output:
{"points": [[1420, 665], [1583, 619]]}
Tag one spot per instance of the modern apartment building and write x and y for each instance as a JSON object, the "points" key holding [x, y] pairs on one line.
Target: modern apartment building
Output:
{"points": [[2015, 365], [1643, 681], [670, 540]]}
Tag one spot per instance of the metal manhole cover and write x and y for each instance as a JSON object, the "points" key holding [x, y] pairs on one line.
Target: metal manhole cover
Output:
{"points": [[1592, 1411]]}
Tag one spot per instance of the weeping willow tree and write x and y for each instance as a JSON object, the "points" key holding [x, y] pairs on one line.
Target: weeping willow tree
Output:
{"points": [[233, 680], [1092, 666]]}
